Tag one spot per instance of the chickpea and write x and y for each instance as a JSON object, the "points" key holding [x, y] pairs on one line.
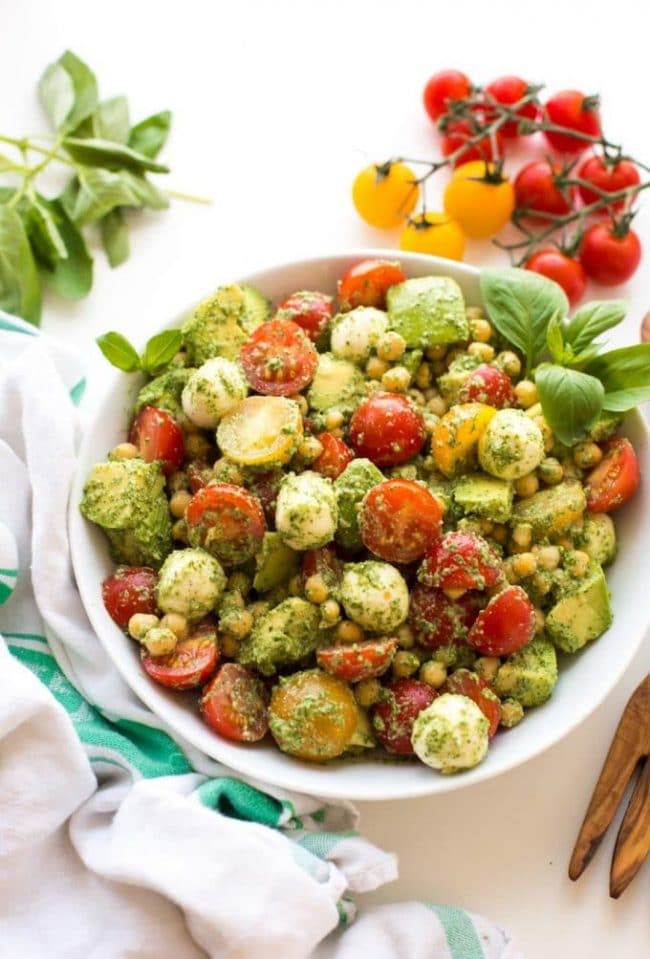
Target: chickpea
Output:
{"points": [[333, 419], [177, 481], [483, 351], [526, 393], [433, 673], [548, 557], [226, 471], [296, 585], [229, 645], [430, 421], [330, 612], [417, 396], [480, 329], [396, 380], [376, 367], [509, 363], [522, 535], [576, 562], [436, 352], [316, 590], [125, 451], [499, 533], [140, 623], [542, 582], [404, 664], [423, 376], [486, 667], [437, 405], [512, 713], [527, 485], [570, 470], [310, 449], [405, 637], [177, 623], [179, 503], [524, 564], [547, 433], [197, 447], [509, 571], [587, 454], [540, 619], [551, 471], [237, 622], [179, 359], [438, 367], [240, 582], [159, 641], [179, 531], [348, 632], [368, 692], [391, 346]]}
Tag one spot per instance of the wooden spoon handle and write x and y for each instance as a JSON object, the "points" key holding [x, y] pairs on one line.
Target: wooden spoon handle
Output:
{"points": [[633, 840]]}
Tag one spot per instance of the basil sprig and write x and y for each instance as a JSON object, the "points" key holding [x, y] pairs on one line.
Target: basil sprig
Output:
{"points": [[575, 380], [157, 354]]}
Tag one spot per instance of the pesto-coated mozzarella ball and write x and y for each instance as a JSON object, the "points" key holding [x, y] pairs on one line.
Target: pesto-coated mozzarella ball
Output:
{"points": [[511, 445], [212, 391], [355, 334], [306, 512], [375, 595], [190, 583], [451, 734]]}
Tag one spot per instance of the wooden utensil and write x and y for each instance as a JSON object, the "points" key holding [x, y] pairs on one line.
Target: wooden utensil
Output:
{"points": [[629, 749]]}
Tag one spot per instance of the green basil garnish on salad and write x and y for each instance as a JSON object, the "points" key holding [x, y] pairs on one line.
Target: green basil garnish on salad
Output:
{"points": [[158, 352], [571, 401]]}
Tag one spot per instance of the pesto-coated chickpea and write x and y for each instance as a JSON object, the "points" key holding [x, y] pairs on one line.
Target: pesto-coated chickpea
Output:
{"points": [[483, 351], [333, 419], [160, 641], [430, 423], [540, 620], [316, 590], [179, 503], [376, 367], [542, 582], [124, 451], [330, 612], [486, 667], [550, 471], [577, 562], [417, 396], [309, 450], [348, 632], [197, 447], [509, 571], [512, 713], [524, 564], [526, 485], [526, 393], [368, 692], [548, 557], [239, 581], [391, 346], [423, 376], [499, 533], [436, 352], [433, 673], [404, 664], [302, 403], [405, 637], [177, 623], [522, 535], [237, 623], [177, 481], [225, 471], [229, 645], [437, 405], [509, 363], [140, 623], [396, 380], [480, 329], [179, 531], [587, 454]]}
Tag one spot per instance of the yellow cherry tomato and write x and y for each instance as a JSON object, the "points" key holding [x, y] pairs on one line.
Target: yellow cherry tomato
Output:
{"points": [[434, 233], [479, 198], [455, 438], [261, 430], [312, 715], [385, 195]]}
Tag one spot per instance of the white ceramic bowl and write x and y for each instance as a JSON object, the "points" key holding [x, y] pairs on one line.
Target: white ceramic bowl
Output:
{"points": [[585, 679]]}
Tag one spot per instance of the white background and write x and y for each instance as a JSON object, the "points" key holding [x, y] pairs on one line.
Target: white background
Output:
{"points": [[276, 106]]}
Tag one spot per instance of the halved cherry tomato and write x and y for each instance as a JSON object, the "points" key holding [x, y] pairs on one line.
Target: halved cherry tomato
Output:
{"points": [[456, 135], [158, 437], [505, 625], [227, 521], [508, 91], [357, 661], [444, 87], [199, 474], [616, 478], [323, 562], [465, 683], [312, 715], [266, 487], [312, 311], [564, 270], [461, 560], [399, 520], [366, 283], [537, 191], [573, 110], [190, 664], [387, 429], [235, 704], [608, 175], [394, 715], [129, 590], [278, 358], [610, 256], [437, 620], [335, 456], [487, 384]]}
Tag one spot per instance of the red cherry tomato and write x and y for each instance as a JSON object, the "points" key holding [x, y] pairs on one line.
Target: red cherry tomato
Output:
{"points": [[322, 562], [443, 87], [335, 456], [129, 590], [575, 111], [366, 283], [537, 190], [387, 429], [278, 358], [158, 437], [458, 132], [227, 521], [235, 704], [609, 259], [358, 661], [465, 683], [608, 175], [487, 384], [394, 715], [508, 91], [437, 620], [616, 478], [199, 474], [312, 311], [266, 487], [461, 561], [567, 272], [505, 625], [190, 664], [399, 520]]}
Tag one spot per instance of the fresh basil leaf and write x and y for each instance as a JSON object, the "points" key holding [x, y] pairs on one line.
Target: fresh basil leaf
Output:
{"points": [[71, 277], [160, 350], [68, 92], [47, 243], [119, 352], [591, 320], [97, 193], [625, 375], [94, 152], [554, 338], [149, 135], [111, 121], [521, 304], [115, 237], [145, 192], [571, 401], [20, 286], [579, 360]]}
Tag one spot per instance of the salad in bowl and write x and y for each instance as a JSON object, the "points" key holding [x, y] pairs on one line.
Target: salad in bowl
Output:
{"points": [[369, 519]]}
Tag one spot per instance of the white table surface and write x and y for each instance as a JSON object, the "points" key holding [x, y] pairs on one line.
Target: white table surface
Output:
{"points": [[276, 107]]}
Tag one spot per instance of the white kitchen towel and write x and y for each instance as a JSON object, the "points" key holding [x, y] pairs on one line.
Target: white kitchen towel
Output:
{"points": [[117, 841]]}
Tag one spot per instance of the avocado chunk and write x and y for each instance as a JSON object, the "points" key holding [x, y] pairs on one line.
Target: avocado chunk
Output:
{"points": [[363, 736], [449, 383], [484, 496], [164, 392], [605, 426], [598, 537], [221, 324], [350, 487], [336, 383], [411, 360], [276, 563], [583, 613], [551, 510], [427, 311], [529, 675], [285, 635], [126, 498]]}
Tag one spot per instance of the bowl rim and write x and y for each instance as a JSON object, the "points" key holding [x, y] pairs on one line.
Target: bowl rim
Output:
{"points": [[78, 529]]}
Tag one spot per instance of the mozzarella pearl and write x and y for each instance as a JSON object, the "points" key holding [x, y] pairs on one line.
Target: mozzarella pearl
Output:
{"points": [[451, 734], [190, 583], [375, 596], [356, 334], [511, 445], [212, 391], [306, 513]]}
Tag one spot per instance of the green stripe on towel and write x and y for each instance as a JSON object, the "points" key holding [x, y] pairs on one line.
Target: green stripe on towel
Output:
{"points": [[461, 935]]}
